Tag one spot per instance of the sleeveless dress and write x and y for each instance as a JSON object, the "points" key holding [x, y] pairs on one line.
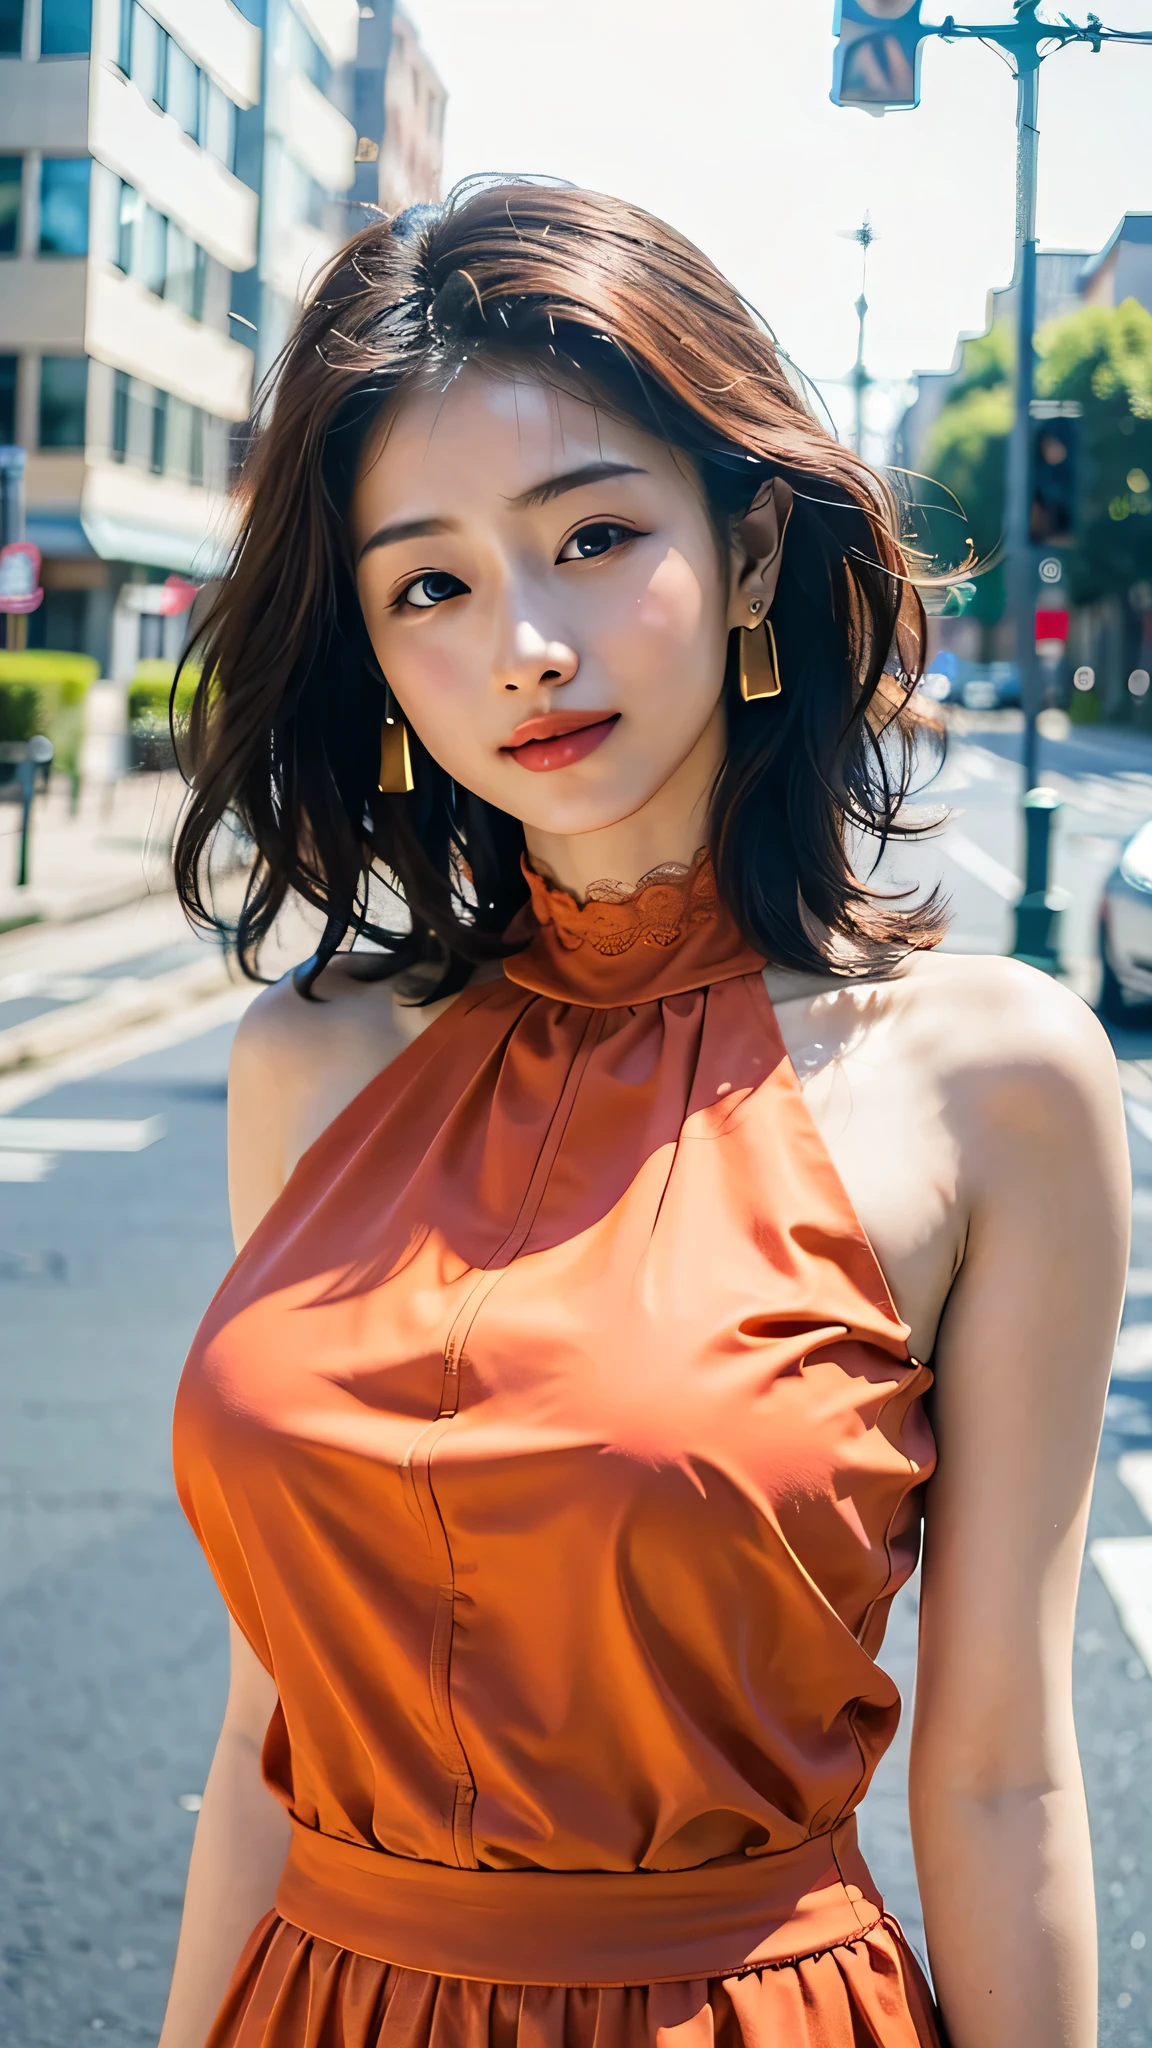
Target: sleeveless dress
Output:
{"points": [[556, 1446]]}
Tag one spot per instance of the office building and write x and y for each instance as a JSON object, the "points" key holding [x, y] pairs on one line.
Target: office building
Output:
{"points": [[172, 177], [1066, 280], [415, 100]]}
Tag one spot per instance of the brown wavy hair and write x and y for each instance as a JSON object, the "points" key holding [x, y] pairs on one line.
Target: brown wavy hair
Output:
{"points": [[283, 737]]}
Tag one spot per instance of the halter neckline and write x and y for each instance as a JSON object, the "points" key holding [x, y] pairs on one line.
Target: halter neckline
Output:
{"points": [[665, 936]]}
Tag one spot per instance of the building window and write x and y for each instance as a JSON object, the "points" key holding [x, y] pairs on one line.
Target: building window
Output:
{"points": [[182, 90], [159, 431], [184, 441], [218, 123], [121, 389], [151, 248], [63, 400], [124, 38], [151, 263], [8, 368], [11, 27], [10, 171], [298, 50], [184, 278], [128, 222], [147, 50], [64, 205], [65, 28], [154, 430]]}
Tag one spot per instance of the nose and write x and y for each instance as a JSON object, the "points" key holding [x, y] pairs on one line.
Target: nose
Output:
{"points": [[532, 660]]}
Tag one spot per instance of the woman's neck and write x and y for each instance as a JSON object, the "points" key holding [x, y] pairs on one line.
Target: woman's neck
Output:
{"points": [[671, 826]]}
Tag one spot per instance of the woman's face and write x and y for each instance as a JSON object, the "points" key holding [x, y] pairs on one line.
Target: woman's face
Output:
{"points": [[545, 594]]}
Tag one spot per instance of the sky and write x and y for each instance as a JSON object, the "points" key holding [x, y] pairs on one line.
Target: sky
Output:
{"points": [[715, 114]]}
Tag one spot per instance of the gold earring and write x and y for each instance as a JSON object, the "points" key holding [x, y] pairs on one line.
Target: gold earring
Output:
{"points": [[759, 666], [395, 759]]}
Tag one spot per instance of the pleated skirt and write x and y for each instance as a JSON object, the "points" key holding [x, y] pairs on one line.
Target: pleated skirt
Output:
{"points": [[293, 1990]]}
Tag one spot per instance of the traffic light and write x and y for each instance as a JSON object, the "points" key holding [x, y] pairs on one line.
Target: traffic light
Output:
{"points": [[877, 62], [1054, 446]]}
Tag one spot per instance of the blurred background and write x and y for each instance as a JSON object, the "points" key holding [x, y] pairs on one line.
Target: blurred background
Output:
{"points": [[172, 176]]}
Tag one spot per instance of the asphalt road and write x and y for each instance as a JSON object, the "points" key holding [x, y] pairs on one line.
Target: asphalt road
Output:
{"points": [[112, 1639]]}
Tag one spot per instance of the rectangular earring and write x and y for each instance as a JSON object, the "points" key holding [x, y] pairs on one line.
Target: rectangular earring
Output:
{"points": [[759, 667], [396, 777]]}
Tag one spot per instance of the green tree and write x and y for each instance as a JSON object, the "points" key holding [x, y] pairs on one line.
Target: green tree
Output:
{"points": [[1102, 359], [968, 453]]}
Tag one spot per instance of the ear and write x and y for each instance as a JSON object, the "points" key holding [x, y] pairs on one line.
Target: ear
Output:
{"points": [[757, 552]]}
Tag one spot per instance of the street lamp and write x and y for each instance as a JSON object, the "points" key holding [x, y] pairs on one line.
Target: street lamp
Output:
{"points": [[877, 68]]}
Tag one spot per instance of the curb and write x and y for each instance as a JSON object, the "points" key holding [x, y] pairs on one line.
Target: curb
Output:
{"points": [[124, 1003], [21, 908]]}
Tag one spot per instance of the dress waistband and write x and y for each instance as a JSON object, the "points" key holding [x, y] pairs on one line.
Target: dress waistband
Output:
{"points": [[580, 1927]]}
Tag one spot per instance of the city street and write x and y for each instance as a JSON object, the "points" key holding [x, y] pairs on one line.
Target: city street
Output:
{"points": [[112, 1639]]}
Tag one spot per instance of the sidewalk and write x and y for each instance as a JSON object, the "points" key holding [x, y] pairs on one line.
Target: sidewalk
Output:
{"points": [[116, 850], [97, 961]]}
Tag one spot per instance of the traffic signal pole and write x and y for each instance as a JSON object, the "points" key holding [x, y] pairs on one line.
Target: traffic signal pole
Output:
{"points": [[1036, 937], [1021, 554], [877, 67]]}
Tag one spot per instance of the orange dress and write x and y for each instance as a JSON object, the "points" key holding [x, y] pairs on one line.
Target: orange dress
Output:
{"points": [[556, 1445]]}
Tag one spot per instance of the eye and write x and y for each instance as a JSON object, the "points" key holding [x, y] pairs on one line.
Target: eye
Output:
{"points": [[434, 588], [599, 537]]}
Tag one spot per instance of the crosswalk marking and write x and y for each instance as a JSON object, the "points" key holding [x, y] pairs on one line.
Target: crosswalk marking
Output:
{"points": [[981, 866], [26, 1166], [1133, 1356], [1134, 1470], [77, 1134], [1125, 1562], [1125, 1565]]}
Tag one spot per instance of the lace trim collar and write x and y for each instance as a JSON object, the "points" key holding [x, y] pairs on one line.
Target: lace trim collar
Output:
{"points": [[663, 905]]}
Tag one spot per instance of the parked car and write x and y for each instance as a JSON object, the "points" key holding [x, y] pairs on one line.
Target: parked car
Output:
{"points": [[979, 686], [1126, 932]]}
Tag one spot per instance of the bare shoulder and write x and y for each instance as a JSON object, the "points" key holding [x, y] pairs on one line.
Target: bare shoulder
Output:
{"points": [[282, 1030], [986, 1014], [297, 1063], [1012, 1053]]}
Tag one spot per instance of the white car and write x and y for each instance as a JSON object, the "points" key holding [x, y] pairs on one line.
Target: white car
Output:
{"points": [[1126, 933]]}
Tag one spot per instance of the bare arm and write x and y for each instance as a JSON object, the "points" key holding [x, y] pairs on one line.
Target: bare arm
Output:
{"points": [[294, 1067], [239, 1850], [998, 1811]]}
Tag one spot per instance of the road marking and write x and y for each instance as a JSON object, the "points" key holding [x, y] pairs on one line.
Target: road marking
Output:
{"points": [[981, 866], [1139, 1116], [26, 1166], [1125, 1565], [1133, 1356], [132, 1043], [1135, 1469], [79, 1133], [54, 988]]}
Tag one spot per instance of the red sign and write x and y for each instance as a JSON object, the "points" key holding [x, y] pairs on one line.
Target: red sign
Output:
{"points": [[176, 595], [1051, 626], [20, 577]]}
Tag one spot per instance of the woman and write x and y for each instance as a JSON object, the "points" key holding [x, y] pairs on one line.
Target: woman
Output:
{"points": [[557, 1439]]}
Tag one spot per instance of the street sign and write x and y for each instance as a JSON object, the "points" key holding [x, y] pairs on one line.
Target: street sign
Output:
{"points": [[1051, 631], [20, 578], [877, 60]]}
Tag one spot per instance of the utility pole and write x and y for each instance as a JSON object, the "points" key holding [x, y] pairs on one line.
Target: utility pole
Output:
{"points": [[877, 68], [865, 236]]}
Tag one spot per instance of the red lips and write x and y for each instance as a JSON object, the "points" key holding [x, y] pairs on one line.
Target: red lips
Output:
{"points": [[559, 738]]}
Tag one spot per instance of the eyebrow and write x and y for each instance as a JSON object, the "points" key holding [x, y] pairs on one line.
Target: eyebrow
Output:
{"points": [[538, 494], [574, 480], [403, 529]]}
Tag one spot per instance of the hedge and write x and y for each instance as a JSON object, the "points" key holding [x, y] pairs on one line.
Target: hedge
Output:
{"points": [[43, 690], [150, 693]]}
